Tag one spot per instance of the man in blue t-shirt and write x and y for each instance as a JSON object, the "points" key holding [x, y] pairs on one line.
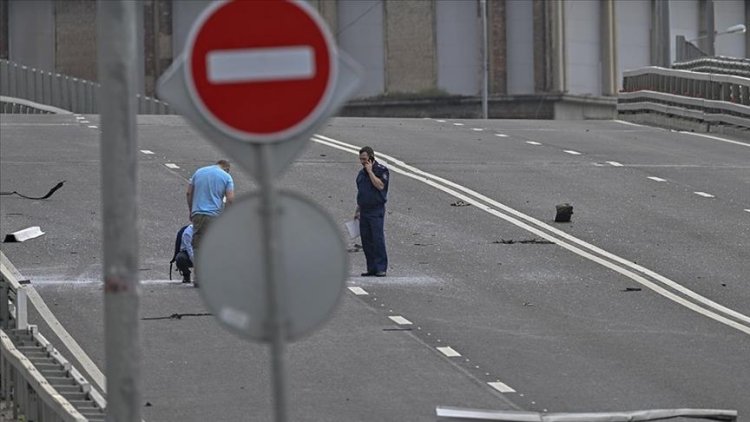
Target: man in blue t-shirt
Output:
{"points": [[372, 194], [205, 198]]}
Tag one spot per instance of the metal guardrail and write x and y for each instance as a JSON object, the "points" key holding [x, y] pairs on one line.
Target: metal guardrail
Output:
{"points": [[717, 65], [60, 91], [706, 98], [22, 383]]}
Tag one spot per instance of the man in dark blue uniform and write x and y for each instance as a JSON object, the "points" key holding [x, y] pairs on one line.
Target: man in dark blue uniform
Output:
{"points": [[372, 194]]}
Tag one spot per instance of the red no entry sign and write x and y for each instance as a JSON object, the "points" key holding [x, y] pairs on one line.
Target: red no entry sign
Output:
{"points": [[260, 70]]}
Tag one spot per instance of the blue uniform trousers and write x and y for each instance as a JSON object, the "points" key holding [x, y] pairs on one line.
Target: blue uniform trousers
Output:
{"points": [[373, 238]]}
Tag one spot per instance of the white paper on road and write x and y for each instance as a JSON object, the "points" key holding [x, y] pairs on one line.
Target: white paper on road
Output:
{"points": [[353, 227]]}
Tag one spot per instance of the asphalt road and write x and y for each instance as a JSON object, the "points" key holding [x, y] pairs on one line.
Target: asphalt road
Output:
{"points": [[642, 301]]}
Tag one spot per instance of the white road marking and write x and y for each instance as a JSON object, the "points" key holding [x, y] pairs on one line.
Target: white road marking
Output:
{"points": [[501, 135], [260, 64], [614, 163], [79, 117], [571, 152], [747, 209], [147, 151], [704, 194], [439, 120], [661, 285], [358, 291], [84, 121], [449, 352], [716, 138], [657, 179], [398, 319], [172, 165], [93, 127], [533, 143], [501, 387], [628, 123], [477, 129], [458, 124]]}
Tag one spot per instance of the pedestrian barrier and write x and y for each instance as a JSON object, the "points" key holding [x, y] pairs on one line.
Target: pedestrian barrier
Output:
{"points": [[60, 91], [35, 379], [706, 99]]}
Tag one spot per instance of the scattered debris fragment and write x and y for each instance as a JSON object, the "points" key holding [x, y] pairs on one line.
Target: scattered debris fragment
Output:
{"points": [[524, 242], [177, 316], [356, 248], [564, 212], [460, 203], [23, 235], [51, 191], [632, 289]]}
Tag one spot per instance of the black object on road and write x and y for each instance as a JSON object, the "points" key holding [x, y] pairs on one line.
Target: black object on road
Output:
{"points": [[51, 191], [564, 212]]}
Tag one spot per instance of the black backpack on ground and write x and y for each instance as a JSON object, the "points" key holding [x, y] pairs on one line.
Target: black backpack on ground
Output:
{"points": [[177, 244]]}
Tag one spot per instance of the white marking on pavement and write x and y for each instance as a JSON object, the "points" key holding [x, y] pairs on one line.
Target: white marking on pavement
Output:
{"points": [[614, 163], [747, 209], [398, 319], [449, 352], [628, 123], [501, 387], [84, 121], [477, 129], [458, 124], [79, 117], [172, 165], [147, 151], [501, 135], [571, 152], [657, 179], [440, 120], [533, 143], [261, 64], [92, 127], [716, 138], [358, 291], [704, 194], [661, 285]]}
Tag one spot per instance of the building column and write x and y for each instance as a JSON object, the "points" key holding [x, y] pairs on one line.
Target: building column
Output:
{"points": [[608, 48], [157, 17], [660, 38], [4, 29], [498, 72], [556, 25], [747, 33], [707, 27], [542, 76]]}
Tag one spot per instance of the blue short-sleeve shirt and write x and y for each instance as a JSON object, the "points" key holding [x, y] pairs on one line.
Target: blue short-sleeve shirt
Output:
{"points": [[210, 184]]}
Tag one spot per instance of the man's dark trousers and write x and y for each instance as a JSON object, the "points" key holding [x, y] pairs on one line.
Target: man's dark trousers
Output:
{"points": [[373, 238]]}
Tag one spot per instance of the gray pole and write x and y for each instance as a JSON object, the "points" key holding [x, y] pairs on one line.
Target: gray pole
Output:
{"points": [[117, 49], [276, 313], [485, 58]]}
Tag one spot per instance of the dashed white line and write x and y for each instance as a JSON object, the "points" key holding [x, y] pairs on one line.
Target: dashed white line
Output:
{"points": [[614, 163], [704, 194], [358, 291], [80, 117], [501, 135], [398, 319], [458, 124], [477, 129], [172, 165], [533, 143], [449, 352], [84, 121], [501, 387], [147, 151], [440, 120], [747, 209], [657, 179], [571, 152], [92, 127]]}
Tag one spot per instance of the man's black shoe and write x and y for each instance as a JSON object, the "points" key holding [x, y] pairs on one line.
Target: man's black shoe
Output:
{"points": [[380, 274], [367, 274], [186, 279]]}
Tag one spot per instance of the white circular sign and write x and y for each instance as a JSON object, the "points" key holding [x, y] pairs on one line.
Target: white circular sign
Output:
{"points": [[312, 267]]}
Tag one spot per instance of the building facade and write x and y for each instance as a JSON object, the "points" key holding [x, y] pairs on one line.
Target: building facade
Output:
{"points": [[419, 48]]}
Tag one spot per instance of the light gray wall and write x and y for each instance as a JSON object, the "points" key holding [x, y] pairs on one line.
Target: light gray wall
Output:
{"points": [[582, 35], [519, 30], [184, 14], [728, 13], [360, 34], [459, 44], [633, 35], [31, 33], [683, 17]]}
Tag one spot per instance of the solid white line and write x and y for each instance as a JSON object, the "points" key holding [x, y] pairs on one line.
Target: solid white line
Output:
{"points": [[477, 129], [398, 319], [147, 151], [629, 123], [458, 124], [358, 291], [704, 194], [657, 179], [261, 64], [614, 163], [501, 387], [172, 165], [571, 152], [433, 180], [449, 352], [533, 143], [716, 138], [501, 135]]}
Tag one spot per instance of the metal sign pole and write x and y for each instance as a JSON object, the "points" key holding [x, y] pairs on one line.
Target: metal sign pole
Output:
{"points": [[276, 311], [117, 49]]}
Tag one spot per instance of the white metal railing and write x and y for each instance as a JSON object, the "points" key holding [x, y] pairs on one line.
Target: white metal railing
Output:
{"points": [[61, 91], [457, 414], [713, 99]]}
